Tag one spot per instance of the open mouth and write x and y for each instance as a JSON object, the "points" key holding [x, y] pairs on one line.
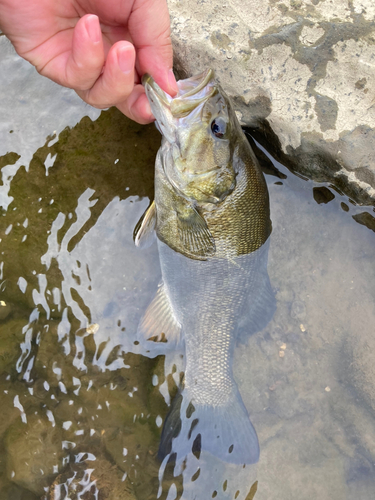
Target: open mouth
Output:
{"points": [[192, 92]]}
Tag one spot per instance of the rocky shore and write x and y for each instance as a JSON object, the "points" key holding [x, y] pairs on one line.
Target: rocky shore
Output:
{"points": [[301, 74]]}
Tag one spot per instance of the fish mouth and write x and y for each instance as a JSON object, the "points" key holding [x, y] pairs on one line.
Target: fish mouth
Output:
{"points": [[150, 85], [176, 114], [191, 93]]}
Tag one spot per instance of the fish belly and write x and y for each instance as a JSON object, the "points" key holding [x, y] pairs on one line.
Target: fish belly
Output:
{"points": [[208, 298]]}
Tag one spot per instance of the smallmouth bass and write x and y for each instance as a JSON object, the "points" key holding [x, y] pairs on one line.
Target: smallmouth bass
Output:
{"points": [[212, 221]]}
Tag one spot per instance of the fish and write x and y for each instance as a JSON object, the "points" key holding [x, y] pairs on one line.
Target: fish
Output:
{"points": [[211, 220]]}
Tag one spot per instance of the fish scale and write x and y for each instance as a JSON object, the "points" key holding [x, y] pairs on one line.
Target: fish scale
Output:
{"points": [[208, 325]]}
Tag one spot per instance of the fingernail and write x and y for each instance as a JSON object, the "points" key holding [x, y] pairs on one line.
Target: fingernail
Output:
{"points": [[172, 81], [125, 57], [93, 29]]}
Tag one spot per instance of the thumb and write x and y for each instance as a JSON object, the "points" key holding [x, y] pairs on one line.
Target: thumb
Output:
{"points": [[157, 61], [149, 28]]}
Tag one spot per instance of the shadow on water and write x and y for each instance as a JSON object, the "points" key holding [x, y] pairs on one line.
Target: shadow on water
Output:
{"points": [[82, 413]]}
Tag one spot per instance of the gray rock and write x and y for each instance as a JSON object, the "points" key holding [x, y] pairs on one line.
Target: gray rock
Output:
{"points": [[301, 75]]}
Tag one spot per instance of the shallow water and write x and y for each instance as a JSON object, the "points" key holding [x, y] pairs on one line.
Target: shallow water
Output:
{"points": [[81, 411]]}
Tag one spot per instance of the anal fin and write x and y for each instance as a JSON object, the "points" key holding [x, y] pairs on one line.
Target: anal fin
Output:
{"points": [[159, 327]]}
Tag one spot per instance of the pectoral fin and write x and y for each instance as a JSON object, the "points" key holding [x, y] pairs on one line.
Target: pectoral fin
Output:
{"points": [[144, 231], [194, 233], [159, 324]]}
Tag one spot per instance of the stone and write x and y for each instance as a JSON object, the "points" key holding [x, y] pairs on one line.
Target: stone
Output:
{"points": [[301, 75], [11, 335], [13, 492], [9, 413], [98, 479], [34, 453]]}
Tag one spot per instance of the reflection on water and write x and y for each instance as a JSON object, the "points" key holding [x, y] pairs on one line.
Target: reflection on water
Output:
{"points": [[82, 412]]}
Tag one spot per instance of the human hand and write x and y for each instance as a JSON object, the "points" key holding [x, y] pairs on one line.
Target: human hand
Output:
{"points": [[99, 48]]}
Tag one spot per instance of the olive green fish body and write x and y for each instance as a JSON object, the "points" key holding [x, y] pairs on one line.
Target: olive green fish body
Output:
{"points": [[239, 225]]}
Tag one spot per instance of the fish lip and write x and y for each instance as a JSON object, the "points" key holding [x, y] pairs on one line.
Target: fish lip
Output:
{"points": [[205, 77], [184, 102], [160, 106], [147, 80], [181, 107]]}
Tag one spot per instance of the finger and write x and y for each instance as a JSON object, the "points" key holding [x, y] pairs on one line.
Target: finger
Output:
{"points": [[116, 82], [137, 106], [152, 61], [85, 61], [152, 42]]}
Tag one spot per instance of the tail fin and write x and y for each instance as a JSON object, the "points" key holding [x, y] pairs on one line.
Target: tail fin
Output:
{"points": [[224, 431]]}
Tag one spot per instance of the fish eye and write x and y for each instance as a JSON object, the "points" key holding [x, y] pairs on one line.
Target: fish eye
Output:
{"points": [[218, 127]]}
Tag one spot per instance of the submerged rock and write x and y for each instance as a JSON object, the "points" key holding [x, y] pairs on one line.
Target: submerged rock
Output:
{"points": [[9, 413], [34, 453], [13, 492], [11, 335], [301, 75], [99, 480]]}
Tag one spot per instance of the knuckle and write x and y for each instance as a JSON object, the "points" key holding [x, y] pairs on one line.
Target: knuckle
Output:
{"points": [[95, 101]]}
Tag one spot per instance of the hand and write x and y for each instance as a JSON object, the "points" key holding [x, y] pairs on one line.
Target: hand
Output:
{"points": [[99, 48]]}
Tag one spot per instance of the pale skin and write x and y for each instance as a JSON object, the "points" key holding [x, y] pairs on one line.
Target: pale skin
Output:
{"points": [[99, 48]]}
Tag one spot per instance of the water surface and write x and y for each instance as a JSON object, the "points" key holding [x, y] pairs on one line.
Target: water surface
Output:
{"points": [[82, 411]]}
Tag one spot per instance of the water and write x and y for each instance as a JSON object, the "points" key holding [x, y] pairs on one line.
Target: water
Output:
{"points": [[81, 412]]}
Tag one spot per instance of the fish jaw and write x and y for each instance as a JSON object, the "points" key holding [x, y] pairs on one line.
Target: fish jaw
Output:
{"points": [[160, 107], [168, 111], [196, 147]]}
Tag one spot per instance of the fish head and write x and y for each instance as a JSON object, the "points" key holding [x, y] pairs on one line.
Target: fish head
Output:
{"points": [[200, 129]]}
